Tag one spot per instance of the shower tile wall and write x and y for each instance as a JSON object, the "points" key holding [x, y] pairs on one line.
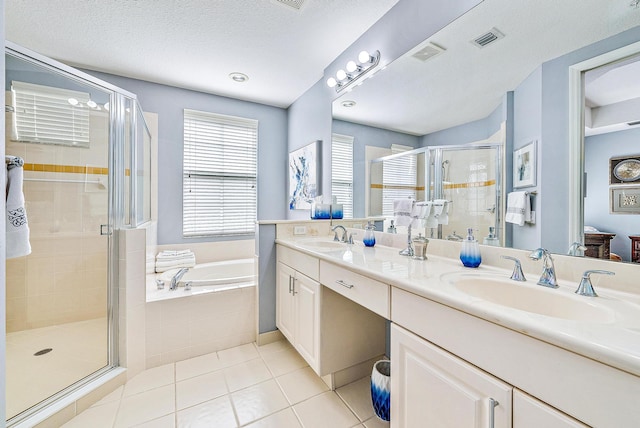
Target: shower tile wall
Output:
{"points": [[64, 279]]}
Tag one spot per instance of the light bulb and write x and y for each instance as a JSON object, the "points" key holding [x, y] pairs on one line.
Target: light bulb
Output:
{"points": [[106, 106], [364, 57], [73, 101], [331, 82], [92, 104], [341, 74], [352, 66]]}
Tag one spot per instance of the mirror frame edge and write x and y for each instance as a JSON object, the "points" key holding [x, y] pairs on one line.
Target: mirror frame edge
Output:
{"points": [[576, 133]]}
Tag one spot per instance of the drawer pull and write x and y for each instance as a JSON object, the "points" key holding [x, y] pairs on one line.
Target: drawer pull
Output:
{"points": [[344, 284], [290, 284], [492, 412]]}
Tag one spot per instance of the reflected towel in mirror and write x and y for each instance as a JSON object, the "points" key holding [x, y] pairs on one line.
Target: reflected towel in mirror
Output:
{"points": [[518, 208]]}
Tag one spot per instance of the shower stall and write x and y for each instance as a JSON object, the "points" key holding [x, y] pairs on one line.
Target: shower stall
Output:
{"points": [[81, 145]]}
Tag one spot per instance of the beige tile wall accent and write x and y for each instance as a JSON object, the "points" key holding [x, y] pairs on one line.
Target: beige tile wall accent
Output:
{"points": [[186, 327]]}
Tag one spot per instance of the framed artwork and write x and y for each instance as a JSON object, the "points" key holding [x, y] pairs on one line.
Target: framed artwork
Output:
{"points": [[524, 166], [624, 170], [625, 200], [304, 175]]}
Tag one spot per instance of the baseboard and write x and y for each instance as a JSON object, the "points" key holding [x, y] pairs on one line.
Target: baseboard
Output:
{"points": [[269, 337]]}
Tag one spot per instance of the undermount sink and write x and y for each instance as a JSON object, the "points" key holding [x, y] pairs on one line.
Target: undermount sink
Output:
{"points": [[534, 299]]}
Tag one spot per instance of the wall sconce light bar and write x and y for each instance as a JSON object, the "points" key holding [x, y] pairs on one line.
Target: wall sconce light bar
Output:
{"points": [[354, 70]]}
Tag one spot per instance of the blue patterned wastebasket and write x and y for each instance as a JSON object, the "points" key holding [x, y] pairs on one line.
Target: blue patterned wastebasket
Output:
{"points": [[380, 388]]}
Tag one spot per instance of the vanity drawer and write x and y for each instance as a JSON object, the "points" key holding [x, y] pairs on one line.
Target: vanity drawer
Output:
{"points": [[301, 262], [367, 292]]}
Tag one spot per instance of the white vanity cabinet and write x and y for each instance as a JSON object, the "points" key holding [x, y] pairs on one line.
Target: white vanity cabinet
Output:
{"points": [[329, 331], [531, 413], [433, 388], [298, 303]]}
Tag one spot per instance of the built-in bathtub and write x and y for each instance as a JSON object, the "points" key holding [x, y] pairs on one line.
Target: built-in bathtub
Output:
{"points": [[205, 278], [217, 312]]}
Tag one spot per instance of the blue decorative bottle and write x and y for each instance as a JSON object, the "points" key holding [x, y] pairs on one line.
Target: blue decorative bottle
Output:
{"points": [[369, 239], [470, 251]]}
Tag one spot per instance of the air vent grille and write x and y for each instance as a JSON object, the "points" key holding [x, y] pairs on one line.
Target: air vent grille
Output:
{"points": [[487, 38], [428, 51], [294, 4]]}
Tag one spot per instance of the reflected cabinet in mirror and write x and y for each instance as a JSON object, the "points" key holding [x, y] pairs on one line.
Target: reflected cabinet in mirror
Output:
{"points": [[444, 120]]}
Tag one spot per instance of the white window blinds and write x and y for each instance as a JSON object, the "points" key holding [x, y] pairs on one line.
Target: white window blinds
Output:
{"points": [[399, 178], [342, 172], [44, 114], [219, 178]]}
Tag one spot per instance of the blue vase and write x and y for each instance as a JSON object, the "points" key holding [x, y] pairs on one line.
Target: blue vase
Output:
{"points": [[380, 389]]}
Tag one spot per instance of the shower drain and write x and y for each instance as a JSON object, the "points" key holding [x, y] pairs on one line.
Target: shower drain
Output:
{"points": [[42, 352]]}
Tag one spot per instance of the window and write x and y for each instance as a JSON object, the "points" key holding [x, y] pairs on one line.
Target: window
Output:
{"points": [[219, 177], [399, 178], [44, 114], [342, 172]]}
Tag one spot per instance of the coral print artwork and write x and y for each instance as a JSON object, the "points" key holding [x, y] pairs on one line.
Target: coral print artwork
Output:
{"points": [[303, 176]]}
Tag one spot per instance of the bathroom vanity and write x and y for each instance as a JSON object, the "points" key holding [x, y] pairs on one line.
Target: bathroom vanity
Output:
{"points": [[469, 347]]}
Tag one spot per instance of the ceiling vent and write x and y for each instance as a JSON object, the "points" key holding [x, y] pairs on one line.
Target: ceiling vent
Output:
{"points": [[487, 38], [427, 52], [294, 4]]}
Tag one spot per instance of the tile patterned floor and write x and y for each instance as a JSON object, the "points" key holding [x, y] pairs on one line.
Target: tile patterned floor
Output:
{"points": [[247, 386]]}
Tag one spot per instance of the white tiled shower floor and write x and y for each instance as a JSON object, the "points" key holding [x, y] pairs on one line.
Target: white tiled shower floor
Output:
{"points": [[78, 349], [252, 386]]}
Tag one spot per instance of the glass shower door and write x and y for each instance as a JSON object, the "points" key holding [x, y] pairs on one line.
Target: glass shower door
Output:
{"points": [[469, 178], [58, 293]]}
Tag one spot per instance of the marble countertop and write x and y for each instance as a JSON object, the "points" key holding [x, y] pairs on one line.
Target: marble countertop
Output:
{"points": [[614, 341]]}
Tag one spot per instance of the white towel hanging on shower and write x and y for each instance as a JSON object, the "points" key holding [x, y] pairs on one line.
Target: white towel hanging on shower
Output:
{"points": [[17, 227]]}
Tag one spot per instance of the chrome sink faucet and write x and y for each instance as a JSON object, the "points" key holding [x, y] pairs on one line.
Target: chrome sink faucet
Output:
{"points": [[517, 274], [548, 277], [576, 249], [335, 235], [586, 288], [175, 278]]}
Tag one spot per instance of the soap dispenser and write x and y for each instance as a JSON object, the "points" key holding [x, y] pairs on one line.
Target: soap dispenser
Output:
{"points": [[369, 238], [392, 228], [491, 239], [470, 251]]}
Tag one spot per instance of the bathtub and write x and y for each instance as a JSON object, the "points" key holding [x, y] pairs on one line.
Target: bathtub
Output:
{"points": [[204, 278]]}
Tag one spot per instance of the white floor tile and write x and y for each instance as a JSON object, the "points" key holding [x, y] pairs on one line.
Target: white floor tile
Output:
{"points": [[216, 413], [270, 348], [283, 362], [197, 365], [150, 379], [357, 396], [301, 384], [95, 417], [375, 422], [258, 401], [146, 406], [199, 389], [246, 374], [283, 419], [325, 410], [168, 421], [238, 355]]}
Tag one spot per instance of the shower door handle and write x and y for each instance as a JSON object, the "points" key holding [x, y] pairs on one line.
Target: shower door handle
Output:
{"points": [[105, 230]]}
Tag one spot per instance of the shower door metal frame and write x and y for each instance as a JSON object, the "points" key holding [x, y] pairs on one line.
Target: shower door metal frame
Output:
{"points": [[114, 212]]}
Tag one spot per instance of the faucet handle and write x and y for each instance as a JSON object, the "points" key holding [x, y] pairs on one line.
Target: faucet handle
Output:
{"points": [[586, 288], [160, 284], [335, 236], [517, 274]]}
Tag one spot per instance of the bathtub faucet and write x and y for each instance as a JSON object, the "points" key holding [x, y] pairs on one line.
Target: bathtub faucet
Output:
{"points": [[176, 278]]}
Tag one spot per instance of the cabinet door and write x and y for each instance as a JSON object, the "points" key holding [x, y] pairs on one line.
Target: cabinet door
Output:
{"points": [[285, 314], [529, 412], [307, 299], [433, 388]]}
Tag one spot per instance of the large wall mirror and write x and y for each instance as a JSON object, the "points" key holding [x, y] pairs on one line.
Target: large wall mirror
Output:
{"points": [[499, 75]]}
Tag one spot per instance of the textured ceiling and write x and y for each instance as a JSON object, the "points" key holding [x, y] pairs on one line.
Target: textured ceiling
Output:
{"points": [[195, 44], [466, 83]]}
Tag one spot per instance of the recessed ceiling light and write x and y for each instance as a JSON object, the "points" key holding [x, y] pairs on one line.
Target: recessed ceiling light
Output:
{"points": [[238, 77], [348, 103]]}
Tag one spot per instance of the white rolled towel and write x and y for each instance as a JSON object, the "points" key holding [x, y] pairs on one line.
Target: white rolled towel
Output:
{"points": [[17, 228]]}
